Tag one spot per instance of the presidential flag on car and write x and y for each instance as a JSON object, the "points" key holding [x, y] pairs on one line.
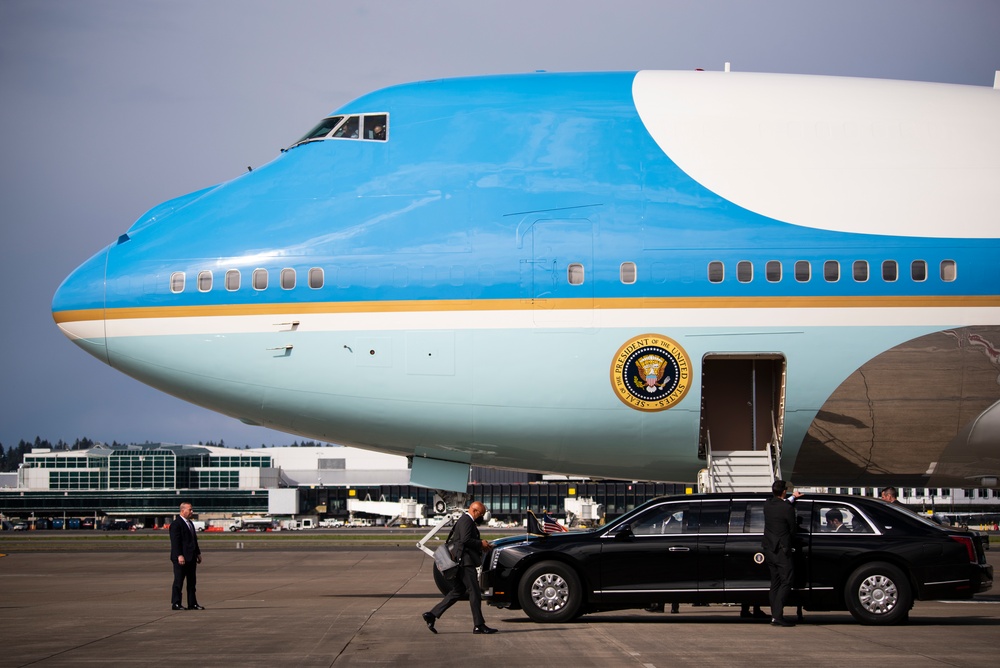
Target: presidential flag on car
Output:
{"points": [[549, 525]]}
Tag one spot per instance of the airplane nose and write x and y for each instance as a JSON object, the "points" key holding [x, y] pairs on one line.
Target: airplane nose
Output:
{"points": [[78, 306]]}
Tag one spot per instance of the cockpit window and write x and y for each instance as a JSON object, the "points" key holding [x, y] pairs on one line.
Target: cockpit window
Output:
{"points": [[375, 125], [322, 129], [348, 129], [372, 127]]}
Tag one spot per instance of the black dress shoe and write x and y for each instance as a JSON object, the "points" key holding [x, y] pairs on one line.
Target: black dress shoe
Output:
{"points": [[781, 622], [195, 607], [430, 619], [482, 628], [177, 606]]}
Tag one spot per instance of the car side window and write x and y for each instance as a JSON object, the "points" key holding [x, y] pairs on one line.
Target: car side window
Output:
{"points": [[669, 518], [714, 517], [838, 518], [754, 518], [803, 509]]}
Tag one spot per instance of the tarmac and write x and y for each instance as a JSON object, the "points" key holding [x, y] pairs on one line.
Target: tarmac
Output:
{"points": [[361, 605]]}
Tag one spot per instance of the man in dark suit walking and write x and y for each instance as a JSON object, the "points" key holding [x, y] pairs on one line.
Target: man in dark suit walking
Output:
{"points": [[779, 527], [186, 555], [469, 555]]}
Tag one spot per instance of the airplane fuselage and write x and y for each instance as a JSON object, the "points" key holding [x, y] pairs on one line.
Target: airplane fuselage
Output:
{"points": [[592, 274]]}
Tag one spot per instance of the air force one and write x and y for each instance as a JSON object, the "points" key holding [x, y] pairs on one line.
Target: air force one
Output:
{"points": [[611, 275]]}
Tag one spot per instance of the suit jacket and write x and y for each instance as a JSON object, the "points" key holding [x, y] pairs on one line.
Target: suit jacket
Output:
{"points": [[779, 525], [183, 542], [466, 536]]}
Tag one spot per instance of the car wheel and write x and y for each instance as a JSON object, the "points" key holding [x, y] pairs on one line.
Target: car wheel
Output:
{"points": [[878, 593], [550, 592]]}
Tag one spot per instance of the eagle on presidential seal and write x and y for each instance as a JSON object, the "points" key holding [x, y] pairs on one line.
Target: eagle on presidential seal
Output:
{"points": [[653, 369]]}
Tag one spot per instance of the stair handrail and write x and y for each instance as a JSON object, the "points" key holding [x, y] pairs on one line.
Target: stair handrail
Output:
{"points": [[775, 450], [708, 461]]}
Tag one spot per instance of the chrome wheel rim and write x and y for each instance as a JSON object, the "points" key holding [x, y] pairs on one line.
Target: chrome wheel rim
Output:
{"points": [[878, 594], [549, 592]]}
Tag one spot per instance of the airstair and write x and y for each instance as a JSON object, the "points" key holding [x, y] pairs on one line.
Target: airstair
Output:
{"points": [[740, 470]]}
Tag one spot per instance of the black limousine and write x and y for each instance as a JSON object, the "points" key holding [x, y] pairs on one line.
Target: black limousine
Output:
{"points": [[863, 555]]}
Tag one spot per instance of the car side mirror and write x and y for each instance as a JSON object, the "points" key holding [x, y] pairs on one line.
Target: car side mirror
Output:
{"points": [[625, 533]]}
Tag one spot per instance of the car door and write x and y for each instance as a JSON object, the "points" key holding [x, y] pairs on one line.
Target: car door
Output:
{"points": [[655, 555], [839, 533], [713, 527], [745, 571]]}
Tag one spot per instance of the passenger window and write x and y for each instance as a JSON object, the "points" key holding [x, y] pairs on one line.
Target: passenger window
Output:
{"points": [[838, 518], [204, 281], [949, 271], [574, 273], [890, 271], [669, 518], [714, 517], [831, 271], [772, 271], [716, 272], [802, 511], [803, 271], [754, 519], [233, 280], [349, 129], [737, 518], [626, 272], [177, 281], [861, 271], [744, 271], [259, 279], [918, 271], [375, 127], [287, 279], [315, 278]]}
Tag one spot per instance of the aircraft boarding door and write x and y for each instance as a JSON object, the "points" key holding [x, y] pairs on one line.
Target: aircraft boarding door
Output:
{"points": [[558, 278], [742, 401]]}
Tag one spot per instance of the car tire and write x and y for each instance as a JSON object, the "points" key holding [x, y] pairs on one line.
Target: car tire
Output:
{"points": [[878, 594], [550, 591]]}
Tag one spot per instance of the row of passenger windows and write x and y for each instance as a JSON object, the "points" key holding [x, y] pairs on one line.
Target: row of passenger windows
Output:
{"points": [[258, 279], [627, 273], [803, 271]]}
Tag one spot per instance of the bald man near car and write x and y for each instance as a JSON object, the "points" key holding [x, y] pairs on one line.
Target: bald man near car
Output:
{"points": [[469, 556]]}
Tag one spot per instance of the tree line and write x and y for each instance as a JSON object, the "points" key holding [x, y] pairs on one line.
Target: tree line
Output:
{"points": [[13, 456]]}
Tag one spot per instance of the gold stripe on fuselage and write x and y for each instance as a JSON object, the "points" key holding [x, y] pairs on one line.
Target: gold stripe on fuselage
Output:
{"points": [[458, 305]]}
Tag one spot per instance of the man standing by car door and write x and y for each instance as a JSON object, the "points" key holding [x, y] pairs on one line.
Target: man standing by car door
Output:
{"points": [[779, 527]]}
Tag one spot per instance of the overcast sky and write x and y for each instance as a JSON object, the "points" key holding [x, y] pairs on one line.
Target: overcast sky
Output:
{"points": [[108, 108]]}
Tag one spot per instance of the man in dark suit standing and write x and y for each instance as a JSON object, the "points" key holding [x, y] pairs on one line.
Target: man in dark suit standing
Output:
{"points": [[469, 555], [779, 527], [186, 555]]}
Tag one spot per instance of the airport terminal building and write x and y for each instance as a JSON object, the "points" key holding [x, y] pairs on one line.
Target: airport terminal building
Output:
{"points": [[146, 483]]}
